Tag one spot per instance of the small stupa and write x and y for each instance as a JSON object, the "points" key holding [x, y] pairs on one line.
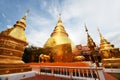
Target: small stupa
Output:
{"points": [[12, 45], [91, 44], [60, 43], [110, 55]]}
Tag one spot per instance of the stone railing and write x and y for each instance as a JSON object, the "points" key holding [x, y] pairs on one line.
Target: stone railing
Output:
{"points": [[73, 73]]}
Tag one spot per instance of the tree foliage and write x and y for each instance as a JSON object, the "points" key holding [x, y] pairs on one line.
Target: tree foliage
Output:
{"points": [[31, 54]]}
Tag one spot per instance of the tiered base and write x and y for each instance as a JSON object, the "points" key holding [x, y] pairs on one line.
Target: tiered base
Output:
{"points": [[111, 63], [14, 68]]}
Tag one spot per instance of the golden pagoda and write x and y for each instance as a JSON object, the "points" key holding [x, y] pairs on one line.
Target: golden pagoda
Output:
{"points": [[12, 45], [91, 44], [61, 44], [110, 55]]}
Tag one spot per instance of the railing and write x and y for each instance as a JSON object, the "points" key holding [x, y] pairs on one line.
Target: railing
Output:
{"points": [[111, 70], [73, 73]]}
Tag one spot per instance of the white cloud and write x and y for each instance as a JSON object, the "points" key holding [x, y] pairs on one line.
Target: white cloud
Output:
{"points": [[37, 38], [38, 30], [114, 38], [95, 13], [39, 21]]}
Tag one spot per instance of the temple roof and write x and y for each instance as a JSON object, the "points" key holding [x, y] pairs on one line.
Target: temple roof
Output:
{"points": [[85, 49]]}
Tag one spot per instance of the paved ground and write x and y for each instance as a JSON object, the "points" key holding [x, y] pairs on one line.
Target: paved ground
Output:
{"points": [[109, 77]]}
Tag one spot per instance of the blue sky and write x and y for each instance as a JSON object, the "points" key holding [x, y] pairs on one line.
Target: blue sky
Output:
{"points": [[43, 17]]}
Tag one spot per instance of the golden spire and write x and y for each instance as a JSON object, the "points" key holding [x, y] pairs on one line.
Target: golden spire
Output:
{"points": [[17, 31], [59, 29], [102, 39], [91, 44], [104, 44], [107, 50], [22, 22], [59, 20]]}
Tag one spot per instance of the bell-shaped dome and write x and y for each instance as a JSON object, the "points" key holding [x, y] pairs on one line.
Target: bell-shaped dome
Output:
{"points": [[59, 36]]}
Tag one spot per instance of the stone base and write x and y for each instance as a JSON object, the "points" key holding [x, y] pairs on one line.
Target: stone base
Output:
{"points": [[111, 63], [13, 68], [17, 76]]}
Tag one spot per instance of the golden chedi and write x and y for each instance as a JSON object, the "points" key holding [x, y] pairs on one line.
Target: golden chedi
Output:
{"points": [[110, 55], [60, 43], [12, 45], [91, 44]]}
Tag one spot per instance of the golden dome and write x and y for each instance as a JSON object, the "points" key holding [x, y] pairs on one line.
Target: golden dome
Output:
{"points": [[59, 36]]}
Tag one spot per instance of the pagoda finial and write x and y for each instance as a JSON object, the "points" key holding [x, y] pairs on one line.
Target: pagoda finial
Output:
{"points": [[22, 22], [99, 32], [59, 20], [86, 28], [59, 29], [102, 39], [60, 15], [98, 29], [26, 14]]}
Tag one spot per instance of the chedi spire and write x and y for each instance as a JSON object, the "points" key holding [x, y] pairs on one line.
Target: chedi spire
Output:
{"points": [[60, 43], [17, 31], [59, 29], [91, 44], [22, 22], [110, 55], [107, 50]]}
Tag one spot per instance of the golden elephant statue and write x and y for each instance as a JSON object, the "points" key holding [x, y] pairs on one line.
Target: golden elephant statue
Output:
{"points": [[44, 58]]}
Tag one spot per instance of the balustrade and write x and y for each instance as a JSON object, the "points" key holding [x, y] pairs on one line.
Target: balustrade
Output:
{"points": [[87, 73]]}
